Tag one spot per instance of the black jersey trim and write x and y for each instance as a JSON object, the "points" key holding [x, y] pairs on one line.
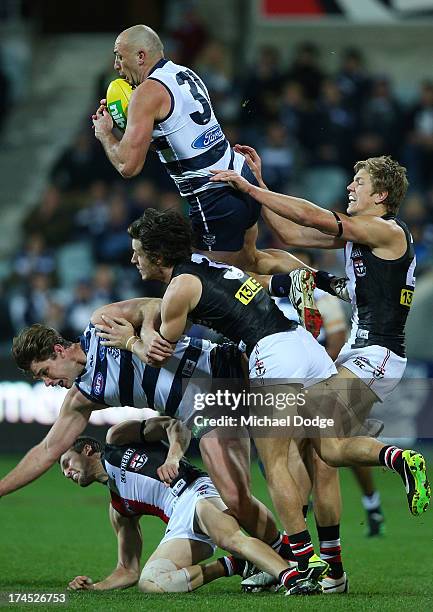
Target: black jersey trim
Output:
{"points": [[170, 112], [126, 379], [192, 353], [204, 160], [148, 383]]}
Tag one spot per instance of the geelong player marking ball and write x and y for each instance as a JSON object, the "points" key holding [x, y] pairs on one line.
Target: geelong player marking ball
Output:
{"points": [[118, 94]]}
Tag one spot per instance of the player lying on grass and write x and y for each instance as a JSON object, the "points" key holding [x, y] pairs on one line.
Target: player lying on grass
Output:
{"points": [[99, 376], [147, 477]]}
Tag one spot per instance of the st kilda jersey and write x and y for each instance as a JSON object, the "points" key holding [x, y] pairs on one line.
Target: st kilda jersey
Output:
{"points": [[381, 292], [233, 303], [135, 486]]}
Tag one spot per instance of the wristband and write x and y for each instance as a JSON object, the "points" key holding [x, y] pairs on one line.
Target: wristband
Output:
{"points": [[129, 340]]}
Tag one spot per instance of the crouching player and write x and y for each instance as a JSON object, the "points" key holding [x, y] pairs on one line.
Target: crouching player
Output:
{"points": [[146, 476]]}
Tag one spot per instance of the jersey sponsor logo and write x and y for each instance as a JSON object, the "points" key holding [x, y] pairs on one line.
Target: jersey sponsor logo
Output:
{"points": [[209, 239], [208, 138], [102, 352], [137, 461], [98, 383], [178, 488], [124, 462], [233, 273], [359, 267], [362, 333], [406, 297], [356, 252], [188, 368], [363, 363], [248, 291]]}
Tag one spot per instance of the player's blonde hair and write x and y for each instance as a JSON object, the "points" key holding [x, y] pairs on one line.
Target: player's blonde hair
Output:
{"points": [[386, 174]]}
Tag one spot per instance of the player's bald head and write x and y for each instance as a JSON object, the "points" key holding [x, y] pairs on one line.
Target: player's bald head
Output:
{"points": [[142, 37]]}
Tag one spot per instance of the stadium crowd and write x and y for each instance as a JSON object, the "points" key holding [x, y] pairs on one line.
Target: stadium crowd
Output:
{"points": [[309, 126]]}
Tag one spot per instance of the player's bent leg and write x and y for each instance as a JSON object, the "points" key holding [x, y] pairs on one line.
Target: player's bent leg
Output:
{"points": [[225, 531], [227, 462], [173, 567]]}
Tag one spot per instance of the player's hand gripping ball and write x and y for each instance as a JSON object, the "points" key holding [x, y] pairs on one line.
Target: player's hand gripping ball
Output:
{"points": [[118, 95]]}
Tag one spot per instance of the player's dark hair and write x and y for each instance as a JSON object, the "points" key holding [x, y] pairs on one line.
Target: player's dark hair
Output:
{"points": [[36, 343], [386, 174], [82, 441], [164, 235]]}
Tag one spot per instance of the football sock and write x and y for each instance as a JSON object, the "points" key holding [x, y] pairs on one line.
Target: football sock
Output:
{"points": [[302, 548], [282, 546], [391, 457], [232, 565], [330, 549], [371, 503], [279, 285]]}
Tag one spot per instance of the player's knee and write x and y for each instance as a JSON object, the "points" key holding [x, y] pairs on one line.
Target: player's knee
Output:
{"points": [[324, 471], [162, 576]]}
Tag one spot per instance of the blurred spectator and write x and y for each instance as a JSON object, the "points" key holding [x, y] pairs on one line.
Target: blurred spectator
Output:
{"points": [[277, 158], [353, 80], [81, 164], [262, 87], [419, 151], [294, 112], [81, 306], [190, 34], [333, 126], [113, 244], [53, 216], [103, 281], [306, 71], [33, 259], [144, 195], [214, 67], [93, 216], [382, 116], [31, 306]]}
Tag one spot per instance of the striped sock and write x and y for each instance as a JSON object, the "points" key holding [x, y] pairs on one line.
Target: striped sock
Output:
{"points": [[282, 547], [288, 577], [232, 565], [330, 549], [390, 457], [302, 548]]}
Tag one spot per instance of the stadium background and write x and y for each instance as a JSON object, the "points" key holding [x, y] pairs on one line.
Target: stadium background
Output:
{"points": [[312, 84]]}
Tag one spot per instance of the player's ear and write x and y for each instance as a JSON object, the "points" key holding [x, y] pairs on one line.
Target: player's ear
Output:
{"points": [[58, 349], [381, 197], [88, 450]]}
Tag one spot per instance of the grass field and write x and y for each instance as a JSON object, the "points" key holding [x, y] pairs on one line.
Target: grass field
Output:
{"points": [[52, 531]]}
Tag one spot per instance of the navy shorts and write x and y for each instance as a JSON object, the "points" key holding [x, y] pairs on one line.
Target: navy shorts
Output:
{"points": [[220, 217]]}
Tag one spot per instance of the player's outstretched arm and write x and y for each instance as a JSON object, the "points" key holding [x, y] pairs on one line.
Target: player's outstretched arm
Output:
{"points": [[129, 545], [71, 422]]}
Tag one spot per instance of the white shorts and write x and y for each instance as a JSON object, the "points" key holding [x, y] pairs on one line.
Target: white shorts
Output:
{"points": [[289, 357], [378, 367], [181, 523]]}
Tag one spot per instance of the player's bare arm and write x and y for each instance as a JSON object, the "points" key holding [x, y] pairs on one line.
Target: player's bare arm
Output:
{"points": [[131, 325], [71, 422], [149, 103], [367, 228], [129, 545], [181, 297], [156, 429]]}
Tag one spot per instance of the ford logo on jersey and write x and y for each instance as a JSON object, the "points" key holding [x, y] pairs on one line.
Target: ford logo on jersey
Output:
{"points": [[208, 138]]}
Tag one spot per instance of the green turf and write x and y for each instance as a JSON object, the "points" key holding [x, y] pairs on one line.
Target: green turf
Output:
{"points": [[52, 531]]}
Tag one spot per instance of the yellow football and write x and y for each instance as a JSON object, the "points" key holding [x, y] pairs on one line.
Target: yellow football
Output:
{"points": [[118, 94]]}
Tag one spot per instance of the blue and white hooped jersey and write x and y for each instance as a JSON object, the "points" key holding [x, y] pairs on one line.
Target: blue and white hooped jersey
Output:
{"points": [[190, 141], [115, 377]]}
